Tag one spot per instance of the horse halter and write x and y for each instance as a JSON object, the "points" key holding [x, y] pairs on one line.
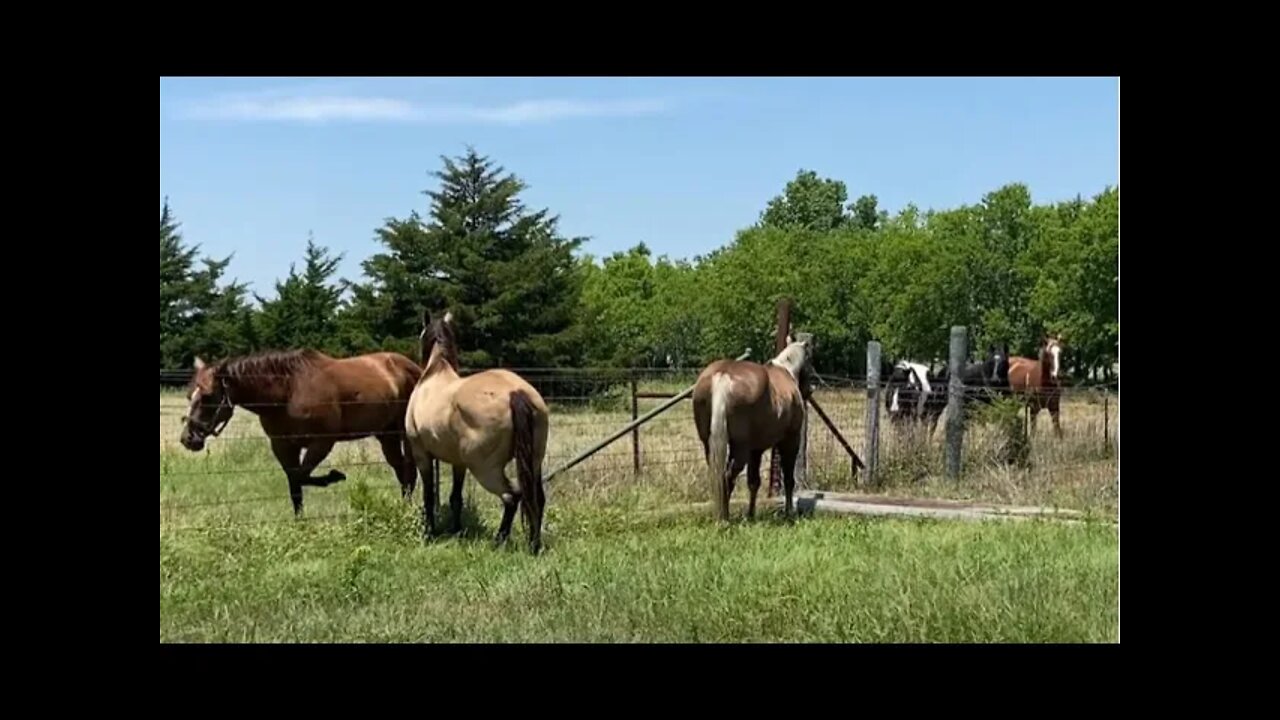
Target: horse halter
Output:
{"points": [[213, 429]]}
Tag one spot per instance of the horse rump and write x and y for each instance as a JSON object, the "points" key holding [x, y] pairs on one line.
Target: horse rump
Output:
{"points": [[718, 443]]}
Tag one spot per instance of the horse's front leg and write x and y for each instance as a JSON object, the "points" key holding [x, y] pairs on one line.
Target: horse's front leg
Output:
{"points": [[287, 454], [316, 452], [1054, 408], [396, 452]]}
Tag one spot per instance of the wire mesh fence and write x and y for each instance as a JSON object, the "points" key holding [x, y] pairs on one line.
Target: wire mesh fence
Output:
{"points": [[236, 479]]}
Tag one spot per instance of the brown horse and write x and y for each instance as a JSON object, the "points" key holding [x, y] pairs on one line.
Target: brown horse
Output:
{"points": [[1039, 381], [477, 423], [306, 402], [741, 409]]}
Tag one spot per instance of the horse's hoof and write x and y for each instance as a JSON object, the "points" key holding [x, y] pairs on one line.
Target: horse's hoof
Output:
{"points": [[336, 476]]}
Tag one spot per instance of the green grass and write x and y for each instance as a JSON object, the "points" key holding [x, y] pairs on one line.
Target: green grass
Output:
{"points": [[627, 560], [626, 575]]}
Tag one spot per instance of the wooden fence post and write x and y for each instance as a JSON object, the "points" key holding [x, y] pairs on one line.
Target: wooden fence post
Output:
{"points": [[873, 411], [779, 344], [635, 432], [955, 400], [802, 459], [1106, 419]]}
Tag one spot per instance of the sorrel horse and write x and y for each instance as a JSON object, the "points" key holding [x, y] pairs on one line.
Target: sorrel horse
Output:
{"points": [[741, 409], [477, 423], [1039, 381], [306, 402]]}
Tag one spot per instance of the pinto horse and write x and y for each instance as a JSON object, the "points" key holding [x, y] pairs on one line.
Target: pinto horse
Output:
{"points": [[914, 395], [306, 402], [742, 408], [477, 423], [917, 396], [1038, 381]]}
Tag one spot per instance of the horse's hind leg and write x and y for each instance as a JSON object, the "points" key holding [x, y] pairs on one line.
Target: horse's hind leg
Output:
{"points": [[753, 480], [737, 462], [495, 481], [394, 451], [455, 498], [790, 450]]}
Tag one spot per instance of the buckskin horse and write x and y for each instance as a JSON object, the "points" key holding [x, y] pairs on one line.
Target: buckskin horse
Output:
{"points": [[743, 408], [306, 402], [477, 423], [1038, 381]]}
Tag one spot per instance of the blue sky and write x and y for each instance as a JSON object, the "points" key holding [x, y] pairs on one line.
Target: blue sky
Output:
{"points": [[251, 165]]}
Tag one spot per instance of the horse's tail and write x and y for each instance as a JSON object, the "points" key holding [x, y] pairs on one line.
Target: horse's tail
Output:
{"points": [[718, 444], [528, 467]]}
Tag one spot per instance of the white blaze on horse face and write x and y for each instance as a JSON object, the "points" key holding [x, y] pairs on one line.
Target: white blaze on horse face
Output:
{"points": [[1055, 352], [894, 406]]}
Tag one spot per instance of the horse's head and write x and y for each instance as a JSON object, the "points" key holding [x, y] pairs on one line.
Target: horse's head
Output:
{"points": [[996, 367], [437, 338], [1051, 355], [210, 407], [797, 358]]}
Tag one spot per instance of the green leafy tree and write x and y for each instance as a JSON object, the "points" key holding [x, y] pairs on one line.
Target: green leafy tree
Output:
{"points": [[808, 202], [866, 213]]}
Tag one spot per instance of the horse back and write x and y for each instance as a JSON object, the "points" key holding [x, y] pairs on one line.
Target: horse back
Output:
{"points": [[1024, 373], [763, 400]]}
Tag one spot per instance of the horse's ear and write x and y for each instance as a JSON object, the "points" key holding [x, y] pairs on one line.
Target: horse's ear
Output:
{"points": [[198, 364], [448, 317], [790, 338]]}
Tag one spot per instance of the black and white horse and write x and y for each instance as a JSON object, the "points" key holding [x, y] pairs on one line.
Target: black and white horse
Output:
{"points": [[917, 395]]}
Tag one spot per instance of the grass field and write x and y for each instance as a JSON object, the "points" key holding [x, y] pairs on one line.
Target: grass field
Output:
{"points": [[630, 558]]}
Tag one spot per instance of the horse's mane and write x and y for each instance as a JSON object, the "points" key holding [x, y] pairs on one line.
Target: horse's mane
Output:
{"points": [[442, 334], [270, 364]]}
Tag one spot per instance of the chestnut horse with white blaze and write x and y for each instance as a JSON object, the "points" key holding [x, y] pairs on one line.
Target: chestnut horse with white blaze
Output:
{"points": [[307, 401], [477, 423], [1039, 381], [743, 408]]}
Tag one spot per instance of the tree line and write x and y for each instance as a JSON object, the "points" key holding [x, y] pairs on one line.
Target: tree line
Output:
{"points": [[1007, 268]]}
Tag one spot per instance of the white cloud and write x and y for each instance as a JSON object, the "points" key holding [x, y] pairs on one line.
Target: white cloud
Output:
{"points": [[351, 108]]}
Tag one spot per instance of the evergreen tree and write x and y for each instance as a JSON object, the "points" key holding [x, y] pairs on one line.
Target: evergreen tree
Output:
{"points": [[304, 312], [510, 279], [197, 315]]}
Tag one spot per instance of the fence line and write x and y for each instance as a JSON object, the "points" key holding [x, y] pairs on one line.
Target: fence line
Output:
{"points": [[589, 408]]}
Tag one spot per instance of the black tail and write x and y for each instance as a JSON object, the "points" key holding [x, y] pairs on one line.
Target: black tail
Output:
{"points": [[533, 500]]}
